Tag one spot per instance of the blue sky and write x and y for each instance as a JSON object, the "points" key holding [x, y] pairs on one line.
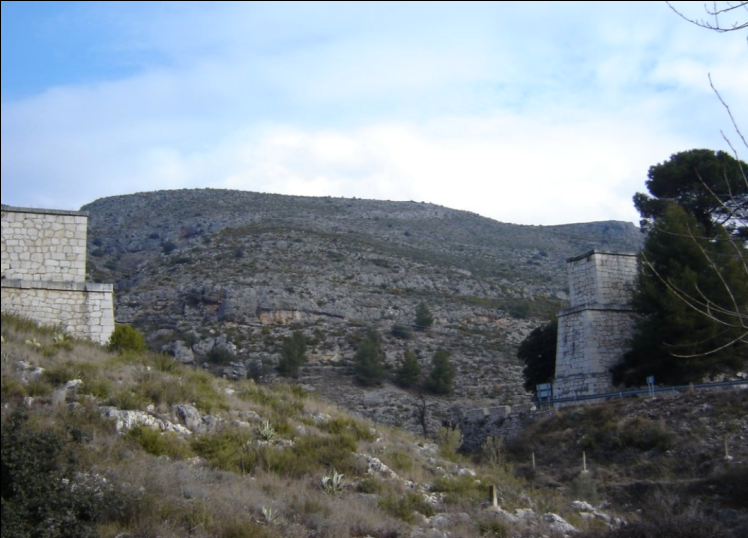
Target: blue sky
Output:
{"points": [[531, 113]]}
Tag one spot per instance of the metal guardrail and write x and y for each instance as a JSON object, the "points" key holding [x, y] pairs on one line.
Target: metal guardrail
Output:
{"points": [[639, 392]]}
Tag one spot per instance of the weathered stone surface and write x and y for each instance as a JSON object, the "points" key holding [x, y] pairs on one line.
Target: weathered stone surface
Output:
{"points": [[43, 273], [43, 245], [593, 334]]}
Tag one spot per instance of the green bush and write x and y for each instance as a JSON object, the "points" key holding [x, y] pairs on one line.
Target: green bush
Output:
{"points": [[44, 491], [645, 434], [449, 441], [401, 331], [220, 355], [341, 425], [160, 443], [404, 507], [461, 489], [230, 450], [129, 398], [127, 338]]}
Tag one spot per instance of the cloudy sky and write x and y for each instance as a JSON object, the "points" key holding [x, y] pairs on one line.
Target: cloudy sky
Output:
{"points": [[530, 113]]}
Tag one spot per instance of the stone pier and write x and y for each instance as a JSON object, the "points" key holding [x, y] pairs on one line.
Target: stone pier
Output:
{"points": [[44, 273], [594, 333]]}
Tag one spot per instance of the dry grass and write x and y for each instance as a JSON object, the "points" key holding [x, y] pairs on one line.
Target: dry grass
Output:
{"points": [[235, 481]]}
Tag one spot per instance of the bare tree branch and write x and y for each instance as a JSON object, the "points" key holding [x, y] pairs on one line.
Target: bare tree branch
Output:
{"points": [[715, 12]]}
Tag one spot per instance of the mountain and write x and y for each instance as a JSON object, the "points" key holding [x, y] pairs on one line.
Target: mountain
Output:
{"points": [[220, 278]]}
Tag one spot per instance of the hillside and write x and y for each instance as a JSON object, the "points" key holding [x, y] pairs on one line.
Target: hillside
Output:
{"points": [[128, 444], [222, 277]]}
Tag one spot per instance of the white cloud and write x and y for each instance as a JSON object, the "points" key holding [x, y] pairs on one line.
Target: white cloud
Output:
{"points": [[536, 117]]}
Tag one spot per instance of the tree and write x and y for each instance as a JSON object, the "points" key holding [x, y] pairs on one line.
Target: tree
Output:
{"points": [[369, 361], [409, 370], [538, 352], [729, 10], [293, 354], [692, 296], [443, 372], [703, 285], [707, 184], [424, 318]]}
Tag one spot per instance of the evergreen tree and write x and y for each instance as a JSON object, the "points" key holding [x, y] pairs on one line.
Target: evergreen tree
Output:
{"points": [[709, 185], [691, 291], [424, 318], [538, 352], [368, 362], [443, 372], [293, 354], [409, 370]]}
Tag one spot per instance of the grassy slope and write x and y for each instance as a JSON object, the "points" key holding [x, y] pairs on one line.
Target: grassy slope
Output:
{"points": [[259, 471]]}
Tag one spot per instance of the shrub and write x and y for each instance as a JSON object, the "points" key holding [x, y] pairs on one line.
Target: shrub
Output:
{"points": [[449, 441], [168, 247], [401, 331], [43, 492], [404, 507], [645, 434], [666, 527], [584, 487], [460, 489], [220, 355], [229, 450], [127, 338], [160, 443]]}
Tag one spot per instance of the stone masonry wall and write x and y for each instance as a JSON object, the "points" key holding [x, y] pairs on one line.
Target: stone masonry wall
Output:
{"points": [[593, 334], [43, 273], [44, 245], [81, 310]]}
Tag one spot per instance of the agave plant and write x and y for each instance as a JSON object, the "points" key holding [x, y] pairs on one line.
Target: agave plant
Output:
{"points": [[270, 514], [266, 431], [332, 483]]}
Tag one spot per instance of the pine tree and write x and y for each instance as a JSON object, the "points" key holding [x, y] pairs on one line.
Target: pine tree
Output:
{"points": [[682, 267], [368, 361], [293, 354], [443, 372], [424, 318], [409, 370]]}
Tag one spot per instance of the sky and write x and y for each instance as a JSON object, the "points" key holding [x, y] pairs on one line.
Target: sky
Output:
{"points": [[524, 112]]}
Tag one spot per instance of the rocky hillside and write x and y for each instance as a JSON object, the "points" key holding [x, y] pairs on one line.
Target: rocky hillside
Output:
{"points": [[221, 277], [121, 443]]}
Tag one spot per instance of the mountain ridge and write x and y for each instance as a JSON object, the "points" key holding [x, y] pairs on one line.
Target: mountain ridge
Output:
{"points": [[205, 269]]}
